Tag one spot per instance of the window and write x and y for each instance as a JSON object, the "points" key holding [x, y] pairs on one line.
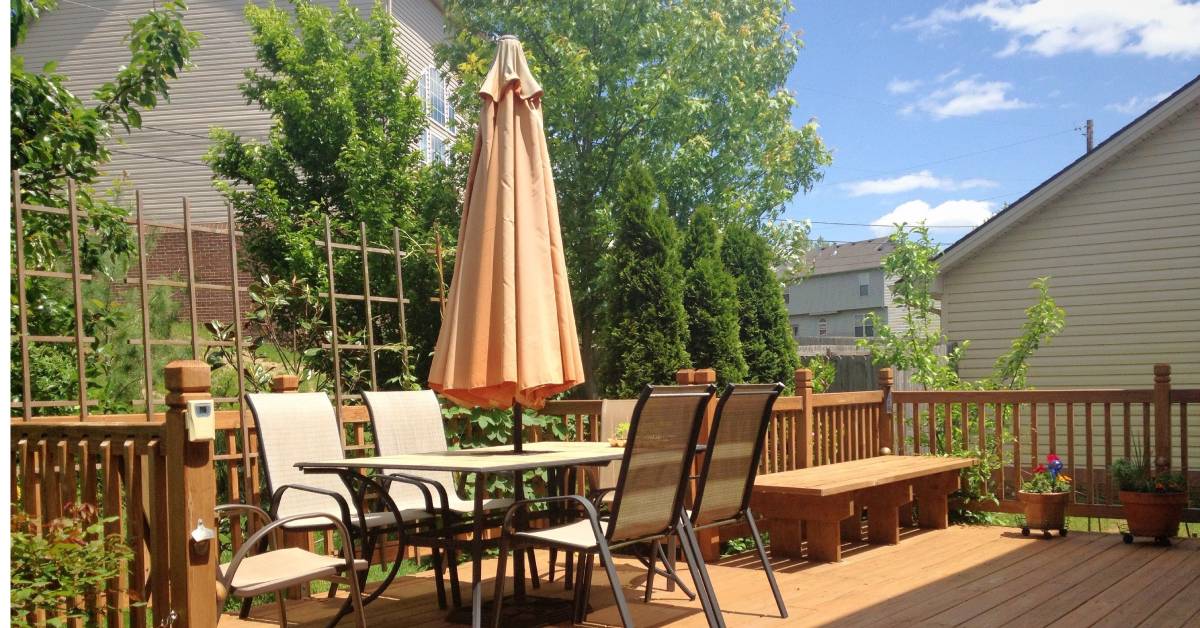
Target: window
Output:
{"points": [[864, 284], [822, 327], [432, 89], [787, 297], [433, 147], [795, 331], [864, 329]]}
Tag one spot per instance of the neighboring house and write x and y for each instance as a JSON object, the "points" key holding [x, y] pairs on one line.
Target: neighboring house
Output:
{"points": [[828, 309], [1118, 232], [163, 158]]}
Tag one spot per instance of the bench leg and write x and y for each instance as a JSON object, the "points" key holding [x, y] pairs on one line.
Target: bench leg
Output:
{"points": [[824, 541], [883, 512], [851, 527], [787, 537], [932, 493]]}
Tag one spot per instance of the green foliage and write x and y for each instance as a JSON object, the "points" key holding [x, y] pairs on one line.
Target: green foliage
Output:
{"points": [[1137, 475], [767, 343], [645, 334], [343, 148], [54, 135], [1043, 320], [911, 268], [710, 299], [71, 557], [823, 371], [695, 89]]}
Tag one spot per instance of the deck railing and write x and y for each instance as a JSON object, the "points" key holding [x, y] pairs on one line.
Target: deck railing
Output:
{"points": [[146, 473]]}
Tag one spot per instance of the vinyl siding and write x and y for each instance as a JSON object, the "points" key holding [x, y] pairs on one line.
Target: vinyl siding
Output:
{"points": [[163, 159], [1122, 248], [826, 294]]}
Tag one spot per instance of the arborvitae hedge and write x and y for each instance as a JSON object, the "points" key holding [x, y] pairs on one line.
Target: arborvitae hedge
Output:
{"points": [[711, 301], [645, 331], [766, 334]]}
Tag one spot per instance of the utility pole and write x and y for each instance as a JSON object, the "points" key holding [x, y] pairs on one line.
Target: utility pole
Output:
{"points": [[1088, 134]]}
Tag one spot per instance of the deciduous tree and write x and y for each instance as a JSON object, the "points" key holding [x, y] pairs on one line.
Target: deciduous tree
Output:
{"points": [[695, 89]]}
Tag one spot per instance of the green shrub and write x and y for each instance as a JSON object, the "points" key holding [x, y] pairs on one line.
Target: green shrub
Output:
{"points": [[72, 557]]}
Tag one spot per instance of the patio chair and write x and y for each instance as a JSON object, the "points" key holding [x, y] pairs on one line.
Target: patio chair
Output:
{"points": [[408, 422], [253, 572], [302, 427], [730, 464], [647, 505]]}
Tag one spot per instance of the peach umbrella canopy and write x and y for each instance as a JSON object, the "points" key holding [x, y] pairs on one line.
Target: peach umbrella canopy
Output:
{"points": [[508, 331]]}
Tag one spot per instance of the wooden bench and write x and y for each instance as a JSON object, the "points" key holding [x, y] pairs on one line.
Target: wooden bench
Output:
{"points": [[824, 503]]}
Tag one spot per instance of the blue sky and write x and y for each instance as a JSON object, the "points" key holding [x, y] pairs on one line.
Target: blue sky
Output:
{"points": [[948, 110]]}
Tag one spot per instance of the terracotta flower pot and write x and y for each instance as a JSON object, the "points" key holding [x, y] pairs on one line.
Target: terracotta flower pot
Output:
{"points": [[1153, 514], [1045, 511]]}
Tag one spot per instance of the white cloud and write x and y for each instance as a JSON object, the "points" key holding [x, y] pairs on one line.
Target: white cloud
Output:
{"points": [[967, 97], [960, 214], [924, 179], [1137, 104], [1151, 28], [901, 86]]}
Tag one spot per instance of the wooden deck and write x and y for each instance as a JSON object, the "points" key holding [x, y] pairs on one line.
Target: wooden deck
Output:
{"points": [[976, 576]]}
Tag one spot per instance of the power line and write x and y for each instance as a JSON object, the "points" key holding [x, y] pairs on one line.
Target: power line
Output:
{"points": [[869, 224]]}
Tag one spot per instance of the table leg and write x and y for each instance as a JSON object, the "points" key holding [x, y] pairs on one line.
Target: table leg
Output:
{"points": [[519, 558], [477, 556], [932, 493], [883, 512]]}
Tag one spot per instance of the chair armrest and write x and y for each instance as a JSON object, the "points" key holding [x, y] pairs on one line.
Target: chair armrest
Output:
{"points": [[523, 505], [422, 485], [341, 501], [261, 535], [598, 495]]}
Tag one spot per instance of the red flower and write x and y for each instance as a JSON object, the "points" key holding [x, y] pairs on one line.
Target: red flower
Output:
{"points": [[1052, 458], [1039, 469]]}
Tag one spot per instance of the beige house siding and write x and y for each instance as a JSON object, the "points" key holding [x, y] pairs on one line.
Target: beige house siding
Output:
{"points": [[1122, 248], [163, 159]]}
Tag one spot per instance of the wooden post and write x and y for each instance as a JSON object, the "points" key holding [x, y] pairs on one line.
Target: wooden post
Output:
{"points": [[1162, 417], [710, 539], [285, 383], [804, 448], [191, 497], [886, 438]]}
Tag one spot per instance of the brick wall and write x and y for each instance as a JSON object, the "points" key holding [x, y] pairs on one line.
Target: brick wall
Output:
{"points": [[210, 252]]}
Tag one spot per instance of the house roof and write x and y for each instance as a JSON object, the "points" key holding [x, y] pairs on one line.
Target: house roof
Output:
{"points": [[1100, 156], [841, 258]]}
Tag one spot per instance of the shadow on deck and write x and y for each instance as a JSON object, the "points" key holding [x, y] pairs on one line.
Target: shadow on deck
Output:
{"points": [[977, 576]]}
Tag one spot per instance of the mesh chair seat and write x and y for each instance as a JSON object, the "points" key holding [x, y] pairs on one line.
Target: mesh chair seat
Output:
{"points": [[373, 519], [578, 535], [283, 568], [457, 505]]}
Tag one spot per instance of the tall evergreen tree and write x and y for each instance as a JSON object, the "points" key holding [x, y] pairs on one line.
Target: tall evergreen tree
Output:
{"points": [[710, 299], [767, 341], [645, 334]]}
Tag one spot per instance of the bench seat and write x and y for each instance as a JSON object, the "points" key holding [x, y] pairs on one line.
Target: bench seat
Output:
{"points": [[824, 503]]}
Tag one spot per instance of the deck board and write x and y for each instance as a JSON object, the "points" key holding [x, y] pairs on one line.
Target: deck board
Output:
{"points": [[974, 576]]}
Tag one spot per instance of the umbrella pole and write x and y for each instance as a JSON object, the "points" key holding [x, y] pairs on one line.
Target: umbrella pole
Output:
{"points": [[518, 426]]}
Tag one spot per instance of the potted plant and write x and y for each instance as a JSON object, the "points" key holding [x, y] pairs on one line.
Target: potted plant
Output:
{"points": [[620, 435], [1153, 501], [1045, 496]]}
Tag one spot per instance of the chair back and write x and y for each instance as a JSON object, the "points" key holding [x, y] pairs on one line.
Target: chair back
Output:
{"points": [[298, 427], [658, 458], [734, 447], [613, 412], [408, 422]]}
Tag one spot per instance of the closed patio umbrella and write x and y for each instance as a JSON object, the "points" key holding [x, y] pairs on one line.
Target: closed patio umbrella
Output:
{"points": [[508, 333]]}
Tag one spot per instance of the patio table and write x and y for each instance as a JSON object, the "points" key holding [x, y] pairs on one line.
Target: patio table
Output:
{"points": [[485, 461]]}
